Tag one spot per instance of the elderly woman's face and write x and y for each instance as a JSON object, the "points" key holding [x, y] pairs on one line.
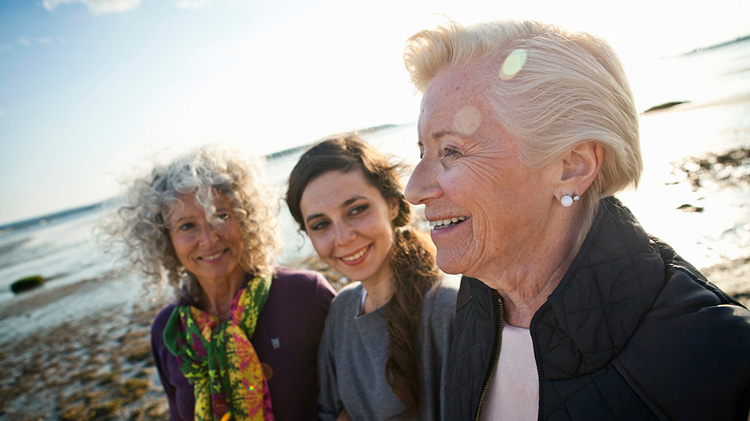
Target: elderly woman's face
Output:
{"points": [[210, 252], [484, 206]]}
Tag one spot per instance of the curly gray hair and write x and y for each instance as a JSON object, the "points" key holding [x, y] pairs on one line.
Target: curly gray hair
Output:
{"points": [[140, 223]]}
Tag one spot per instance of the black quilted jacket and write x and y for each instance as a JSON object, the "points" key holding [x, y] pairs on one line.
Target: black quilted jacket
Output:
{"points": [[632, 332]]}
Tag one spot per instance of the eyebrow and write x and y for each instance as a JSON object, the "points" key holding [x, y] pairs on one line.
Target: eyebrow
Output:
{"points": [[183, 217], [172, 224], [437, 135], [343, 205], [440, 133]]}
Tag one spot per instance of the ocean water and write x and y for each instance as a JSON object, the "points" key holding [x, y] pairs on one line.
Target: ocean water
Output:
{"points": [[715, 83]]}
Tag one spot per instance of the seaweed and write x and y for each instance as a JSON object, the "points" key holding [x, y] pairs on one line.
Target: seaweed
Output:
{"points": [[27, 283]]}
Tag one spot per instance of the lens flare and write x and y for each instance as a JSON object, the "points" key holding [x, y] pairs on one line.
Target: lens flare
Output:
{"points": [[467, 120], [513, 64]]}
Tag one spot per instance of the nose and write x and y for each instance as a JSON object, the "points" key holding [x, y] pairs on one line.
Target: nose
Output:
{"points": [[422, 185], [208, 234], [344, 234]]}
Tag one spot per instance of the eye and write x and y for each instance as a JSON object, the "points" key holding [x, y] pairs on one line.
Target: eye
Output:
{"points": [[223, 216], [186, 226], [449, 155], [317, 226], [359, 209], [450, 152]]}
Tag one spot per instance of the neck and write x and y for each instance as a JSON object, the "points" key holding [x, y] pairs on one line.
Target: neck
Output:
{"points": [[526, 280], [217, 294], [526, 291]]}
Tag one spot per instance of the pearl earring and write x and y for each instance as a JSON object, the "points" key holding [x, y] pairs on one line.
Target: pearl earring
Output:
{"points": [[567, 201]]}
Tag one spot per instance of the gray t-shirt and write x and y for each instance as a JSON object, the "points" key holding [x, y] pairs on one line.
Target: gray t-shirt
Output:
{"points": [[354, 349]]}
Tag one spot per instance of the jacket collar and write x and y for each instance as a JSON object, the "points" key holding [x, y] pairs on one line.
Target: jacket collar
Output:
{"points": [[603, 297]]}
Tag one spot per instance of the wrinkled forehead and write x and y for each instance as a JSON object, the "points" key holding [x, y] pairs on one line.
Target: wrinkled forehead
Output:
{"points": [[455, 99]]}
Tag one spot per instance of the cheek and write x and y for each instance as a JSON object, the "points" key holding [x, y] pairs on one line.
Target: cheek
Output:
{"points": [[181, 249], [320, 244], [178, 243], [377, 225], [459, 187], [233, 233]]}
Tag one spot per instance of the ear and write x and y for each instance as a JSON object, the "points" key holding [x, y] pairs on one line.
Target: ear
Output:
{"points": [[579, 168], [393, 207]]}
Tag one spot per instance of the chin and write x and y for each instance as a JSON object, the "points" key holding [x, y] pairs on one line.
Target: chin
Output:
{"points": [[449, 265]]}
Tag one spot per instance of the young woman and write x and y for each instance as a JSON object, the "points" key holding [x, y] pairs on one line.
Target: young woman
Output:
{"points": [[240, 340], [386, 337]]}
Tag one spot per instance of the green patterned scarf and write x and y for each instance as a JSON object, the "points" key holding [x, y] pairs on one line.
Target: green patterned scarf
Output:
{"points": [[218, 359]]}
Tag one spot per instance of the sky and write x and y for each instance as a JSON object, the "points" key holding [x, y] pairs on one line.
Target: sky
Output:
{"points": [[91, 90]]}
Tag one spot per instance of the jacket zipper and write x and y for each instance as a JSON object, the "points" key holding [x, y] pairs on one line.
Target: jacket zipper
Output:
{"points": [[496, 357]]}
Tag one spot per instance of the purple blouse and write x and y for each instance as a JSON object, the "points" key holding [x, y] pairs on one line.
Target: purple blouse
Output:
{"points": [[286, 338]]}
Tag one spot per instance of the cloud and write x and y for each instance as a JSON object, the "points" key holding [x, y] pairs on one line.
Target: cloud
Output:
{"points": [[191, 4], [119, 6], [96, 6], [26, 42]]}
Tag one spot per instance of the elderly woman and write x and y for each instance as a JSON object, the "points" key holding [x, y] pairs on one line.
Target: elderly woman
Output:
{"points": [[568, 309], [240, 341], [384, 349]]}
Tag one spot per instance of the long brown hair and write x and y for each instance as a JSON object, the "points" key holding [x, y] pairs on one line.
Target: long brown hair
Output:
{"points": [[412, 256]]}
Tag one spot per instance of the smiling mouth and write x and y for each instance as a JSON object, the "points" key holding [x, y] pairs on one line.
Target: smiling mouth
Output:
{"points": [[212, 257], [356, 255], [447, 223]]}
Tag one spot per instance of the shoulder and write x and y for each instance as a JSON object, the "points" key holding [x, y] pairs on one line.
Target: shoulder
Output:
{"points": [[446, 288], [348, 297], [160, 321], [299, 277], [692, 320], [350, 293], [439, 305], [685, 290], [344, 308], [689, 300], [157, 329], [443, 294], [302, 283]]}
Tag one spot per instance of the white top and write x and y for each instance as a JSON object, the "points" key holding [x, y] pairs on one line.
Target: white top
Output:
{"points": [[513, 393]]}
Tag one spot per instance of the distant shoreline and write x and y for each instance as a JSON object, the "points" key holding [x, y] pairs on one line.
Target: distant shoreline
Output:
{"points": [[51, 217], [719, 45], [55, 216], [289, 151]]}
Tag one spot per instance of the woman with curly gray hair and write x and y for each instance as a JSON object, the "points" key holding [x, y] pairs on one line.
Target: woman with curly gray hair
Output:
{"points": [[241, 339]]}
